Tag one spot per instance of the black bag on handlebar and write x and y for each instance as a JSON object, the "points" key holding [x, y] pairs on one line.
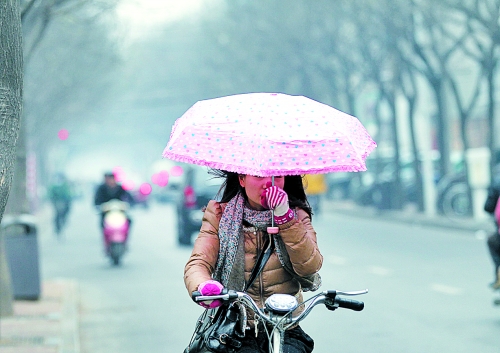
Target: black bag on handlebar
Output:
{"points": [[217, 330]]}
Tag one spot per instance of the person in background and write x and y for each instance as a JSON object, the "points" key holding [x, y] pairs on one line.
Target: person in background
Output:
{"points": [[492, 207], [60, 196], [110, 190], [315, 186], [233, 235]]}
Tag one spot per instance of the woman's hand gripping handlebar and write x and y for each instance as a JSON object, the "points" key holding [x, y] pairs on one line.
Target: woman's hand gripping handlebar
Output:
{"points": [[280, 306]]}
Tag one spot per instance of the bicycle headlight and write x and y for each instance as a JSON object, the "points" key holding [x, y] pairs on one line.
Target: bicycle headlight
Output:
{"points": [[281, 303]]}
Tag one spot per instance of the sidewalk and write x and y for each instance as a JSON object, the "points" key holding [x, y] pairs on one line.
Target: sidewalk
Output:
{"points": [[47, 325]]}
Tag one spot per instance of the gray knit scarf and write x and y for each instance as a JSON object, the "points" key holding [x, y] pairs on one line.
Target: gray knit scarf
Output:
{"points": [[231, 236]]}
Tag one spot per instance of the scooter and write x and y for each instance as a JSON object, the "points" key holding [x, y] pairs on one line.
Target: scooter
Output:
{"points": [[116, 225]]}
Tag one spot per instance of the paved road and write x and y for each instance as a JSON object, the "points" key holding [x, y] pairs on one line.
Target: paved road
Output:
{"points": [[141, 306], [427, 286]]}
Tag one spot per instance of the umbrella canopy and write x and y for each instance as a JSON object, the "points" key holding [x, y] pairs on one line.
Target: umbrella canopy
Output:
{"points": [[269, 134]]}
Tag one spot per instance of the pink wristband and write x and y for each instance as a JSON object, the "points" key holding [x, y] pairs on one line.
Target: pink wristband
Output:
{"points": [[287, 217]]}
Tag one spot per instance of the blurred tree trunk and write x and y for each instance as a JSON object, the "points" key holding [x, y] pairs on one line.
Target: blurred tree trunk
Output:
{"points": [[398, 198], [18, 200], [464, 114], [491, 67], [395, 19], [11, 89], [410, 91]]}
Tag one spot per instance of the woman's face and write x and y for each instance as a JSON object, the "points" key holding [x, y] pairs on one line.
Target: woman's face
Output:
{"points": [[254, 186]]}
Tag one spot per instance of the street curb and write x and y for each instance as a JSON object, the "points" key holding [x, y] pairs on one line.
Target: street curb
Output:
{"points": [[49, 324]]}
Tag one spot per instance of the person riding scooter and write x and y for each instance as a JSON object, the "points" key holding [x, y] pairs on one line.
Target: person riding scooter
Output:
{"points": [[106, 192], [110, 189]]}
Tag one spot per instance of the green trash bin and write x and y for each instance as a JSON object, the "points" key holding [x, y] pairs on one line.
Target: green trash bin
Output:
{"points": [[21, 248]]}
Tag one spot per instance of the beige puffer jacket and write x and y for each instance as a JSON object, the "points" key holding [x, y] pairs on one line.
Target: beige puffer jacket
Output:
{"points": [[300, 240]]}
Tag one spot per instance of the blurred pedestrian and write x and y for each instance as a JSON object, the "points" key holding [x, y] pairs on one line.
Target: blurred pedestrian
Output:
{"points": [[60, 196], [315, 186], [492, 206]]}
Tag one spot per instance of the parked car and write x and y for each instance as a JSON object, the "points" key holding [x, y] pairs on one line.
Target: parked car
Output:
{"points": [[339, 185], [381, 192], [198, 188]]}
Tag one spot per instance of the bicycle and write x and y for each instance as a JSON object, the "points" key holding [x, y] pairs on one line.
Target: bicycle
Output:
{"points": [[279, 308]]}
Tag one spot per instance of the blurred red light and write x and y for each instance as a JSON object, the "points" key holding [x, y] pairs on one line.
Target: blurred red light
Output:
{"points": [[145, 189], [163, 178], [63, 134], [119, 173], [128, 185], [176, 170]]}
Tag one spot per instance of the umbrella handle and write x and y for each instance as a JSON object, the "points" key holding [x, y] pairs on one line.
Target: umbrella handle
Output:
{"points": [[272, 229]]}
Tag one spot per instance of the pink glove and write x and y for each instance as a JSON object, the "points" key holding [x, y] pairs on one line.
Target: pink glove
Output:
{"points": [[210, 287], [276, 199]]}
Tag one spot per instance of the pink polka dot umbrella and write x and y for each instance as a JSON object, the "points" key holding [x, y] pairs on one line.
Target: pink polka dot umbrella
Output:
{"points": [[269, 134]]}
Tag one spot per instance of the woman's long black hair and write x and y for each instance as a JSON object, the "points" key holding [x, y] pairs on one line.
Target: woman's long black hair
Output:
{"points": [[293, 187]]}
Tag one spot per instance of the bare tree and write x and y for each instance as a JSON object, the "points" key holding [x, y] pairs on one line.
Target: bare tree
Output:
{"points": [[44, 108], [11, 91], [428, 50], [332, 50], [480, 18], [395, 18]]}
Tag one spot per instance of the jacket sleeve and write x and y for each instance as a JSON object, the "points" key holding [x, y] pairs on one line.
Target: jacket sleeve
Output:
{"points": [[98, 197], [299, 237], [203, 258], [127, 197]]}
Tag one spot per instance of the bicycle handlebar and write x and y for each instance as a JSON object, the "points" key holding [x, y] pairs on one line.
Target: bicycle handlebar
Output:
{"points": [[331, 298], [350, 304]]}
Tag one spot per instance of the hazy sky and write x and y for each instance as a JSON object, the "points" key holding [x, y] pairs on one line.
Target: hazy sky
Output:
{"points": [[140, 20], [142, 16]]}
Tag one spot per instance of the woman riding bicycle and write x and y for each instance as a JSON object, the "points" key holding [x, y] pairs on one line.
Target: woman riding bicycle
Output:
{"points": [[233, 235]]}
